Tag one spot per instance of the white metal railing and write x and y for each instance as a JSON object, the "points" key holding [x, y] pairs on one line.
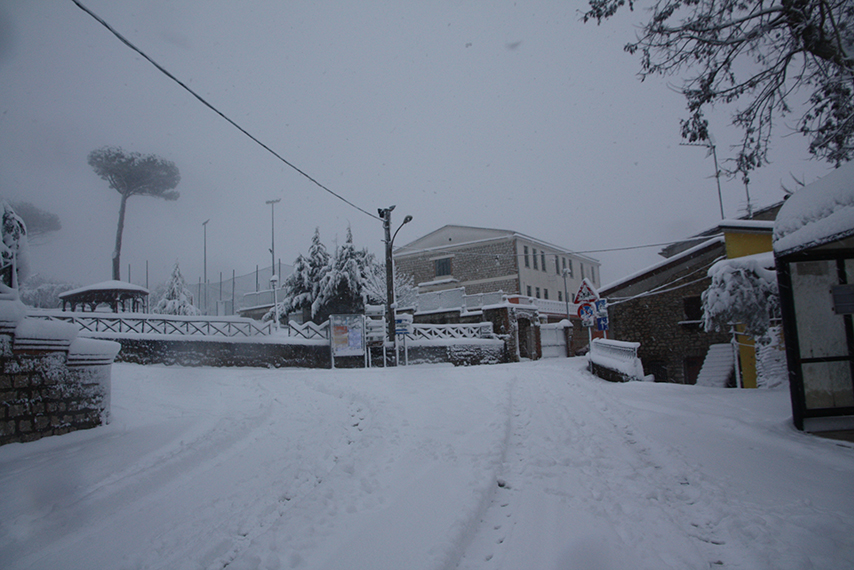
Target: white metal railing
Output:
{"points": [[456, 331], [138, 323], [307, 330]]}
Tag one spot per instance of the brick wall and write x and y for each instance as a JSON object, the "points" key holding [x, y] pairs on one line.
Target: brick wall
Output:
{"points": [[40, 396], [470, 265]]}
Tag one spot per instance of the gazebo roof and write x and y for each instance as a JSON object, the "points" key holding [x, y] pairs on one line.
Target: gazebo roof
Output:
{"points": [[104, 292]]}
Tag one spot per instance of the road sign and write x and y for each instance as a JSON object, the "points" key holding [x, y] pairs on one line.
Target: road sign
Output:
{"points": [[601, 323], [586, 293], [587, 314]]}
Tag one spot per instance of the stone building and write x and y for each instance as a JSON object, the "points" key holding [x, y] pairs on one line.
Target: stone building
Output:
{"points": [[661, 307], [488, 260]]}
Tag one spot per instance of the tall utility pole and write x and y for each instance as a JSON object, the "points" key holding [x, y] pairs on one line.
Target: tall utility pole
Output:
{"points": [[205, 228], [273, 232], [385, 216]]}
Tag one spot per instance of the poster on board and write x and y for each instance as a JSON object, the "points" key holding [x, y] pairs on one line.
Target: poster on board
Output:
{"points": [[347, 333]]}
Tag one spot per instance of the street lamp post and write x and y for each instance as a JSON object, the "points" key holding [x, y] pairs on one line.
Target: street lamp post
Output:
{"points": [[565, 294], [273, 231], [385, 216], [273, 281], [205, 229]]}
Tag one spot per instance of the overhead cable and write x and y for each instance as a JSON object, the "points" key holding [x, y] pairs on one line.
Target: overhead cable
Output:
{"points": [[217, 111]]}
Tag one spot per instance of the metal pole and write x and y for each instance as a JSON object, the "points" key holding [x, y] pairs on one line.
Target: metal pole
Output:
{"points": [[385, 215], [718, 178], [565, 294], [205, 229], [273, 232]]}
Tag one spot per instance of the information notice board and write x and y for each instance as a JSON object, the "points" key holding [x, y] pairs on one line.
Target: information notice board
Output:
{"points": [[347, 333]]}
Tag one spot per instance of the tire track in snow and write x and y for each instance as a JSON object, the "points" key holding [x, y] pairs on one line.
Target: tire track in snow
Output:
{"points": [[592, 505]]}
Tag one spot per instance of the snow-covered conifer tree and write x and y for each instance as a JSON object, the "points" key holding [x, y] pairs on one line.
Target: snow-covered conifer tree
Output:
{"points": [[341, 286], [177, 300]]}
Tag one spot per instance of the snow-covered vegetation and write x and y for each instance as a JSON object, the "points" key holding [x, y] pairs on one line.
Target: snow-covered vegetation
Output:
{"points": [[323, 284], [743, 291], [14, 248], [177, 299]]}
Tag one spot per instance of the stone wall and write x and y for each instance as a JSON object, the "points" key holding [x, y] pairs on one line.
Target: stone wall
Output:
{"points": [[669, 342], [40, 395]]}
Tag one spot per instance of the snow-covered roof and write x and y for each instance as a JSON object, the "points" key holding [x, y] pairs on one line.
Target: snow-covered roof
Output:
{"points": [[450, 236], [111, 285], [748, 225], [688, 253], [818, 213]]}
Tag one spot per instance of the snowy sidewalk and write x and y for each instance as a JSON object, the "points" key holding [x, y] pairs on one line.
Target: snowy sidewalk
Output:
{"points": [[532, 465]]}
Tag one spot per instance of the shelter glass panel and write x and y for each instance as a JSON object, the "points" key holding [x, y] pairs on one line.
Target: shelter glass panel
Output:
{"points": [[821, 332], [828, 385]]}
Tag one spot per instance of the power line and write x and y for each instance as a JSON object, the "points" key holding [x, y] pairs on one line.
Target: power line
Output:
{"points": [[408, 249], [215, 110]]}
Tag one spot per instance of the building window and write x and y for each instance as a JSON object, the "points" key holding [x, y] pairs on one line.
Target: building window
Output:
{"points": [[593, 274], [582, 270], [570, 268], [535, 258], [557, 265], [529, 290], [443, 267], [693, 308], [545, 293], [543, 259], [527, 261], [538, 292], [560, 295]]}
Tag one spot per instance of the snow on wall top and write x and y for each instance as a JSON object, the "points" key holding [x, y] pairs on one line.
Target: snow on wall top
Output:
{"points": [[818, 213]]}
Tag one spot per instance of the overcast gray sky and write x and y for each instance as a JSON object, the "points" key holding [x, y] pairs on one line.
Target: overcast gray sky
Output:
{"points": [[495, 114]]}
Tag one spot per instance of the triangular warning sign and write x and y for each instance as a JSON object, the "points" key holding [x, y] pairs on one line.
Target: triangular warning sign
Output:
{"points": [[586, 293]]}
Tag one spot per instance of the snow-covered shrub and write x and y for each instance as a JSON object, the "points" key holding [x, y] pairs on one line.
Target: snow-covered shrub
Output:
{"points": [[177, 300], [744, 291], [42, 292], [14, 248]]}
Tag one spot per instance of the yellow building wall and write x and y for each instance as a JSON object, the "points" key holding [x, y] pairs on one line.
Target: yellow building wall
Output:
{"points": [[739, 244]]}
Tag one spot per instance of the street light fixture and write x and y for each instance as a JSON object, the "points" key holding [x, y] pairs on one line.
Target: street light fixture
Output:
{"points": [[385, 216]]}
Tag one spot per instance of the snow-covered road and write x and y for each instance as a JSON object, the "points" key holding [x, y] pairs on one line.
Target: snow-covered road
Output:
{"points": [[535, 465]]}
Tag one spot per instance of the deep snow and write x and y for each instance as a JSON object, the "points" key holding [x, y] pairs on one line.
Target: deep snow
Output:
{"points": [[537, 465]]}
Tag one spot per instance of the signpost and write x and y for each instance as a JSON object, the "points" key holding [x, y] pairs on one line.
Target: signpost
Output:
{"points": [[402, 327], [592, 310]]}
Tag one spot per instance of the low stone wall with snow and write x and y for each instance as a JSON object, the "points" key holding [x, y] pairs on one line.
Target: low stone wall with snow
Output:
{"points": [[296, 353], [51, 381], [615, 360]]}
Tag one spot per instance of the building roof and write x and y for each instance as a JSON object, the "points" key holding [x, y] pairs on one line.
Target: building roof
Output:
{"points": [[113, 286], [759, 218], [456, 236], [818, 213]]}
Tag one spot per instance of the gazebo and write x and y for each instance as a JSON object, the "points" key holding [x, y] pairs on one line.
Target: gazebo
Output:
{"points": [[118, 295]]}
